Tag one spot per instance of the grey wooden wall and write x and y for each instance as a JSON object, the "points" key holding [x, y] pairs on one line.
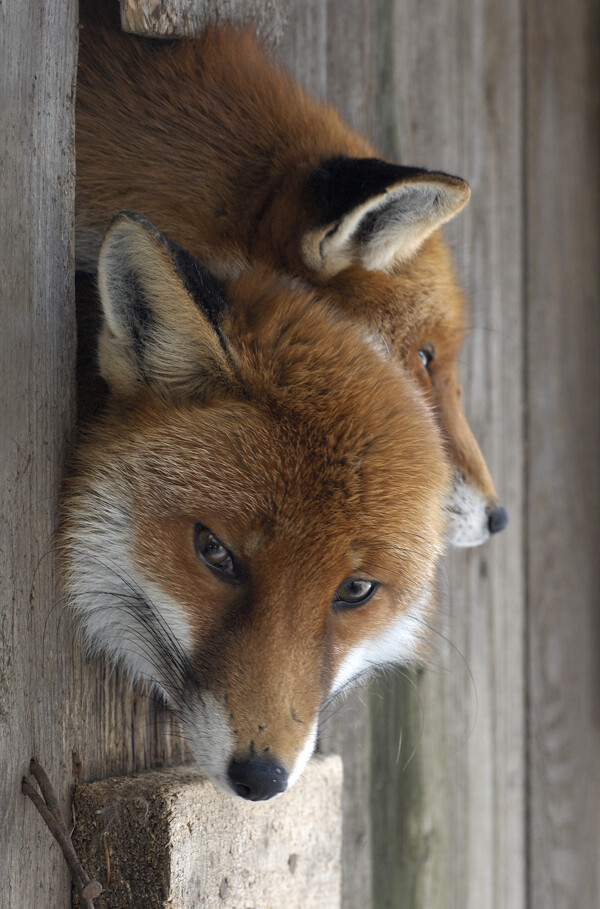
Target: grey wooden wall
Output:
{"points": [[483, 773], [475, 784], [37, 347]]}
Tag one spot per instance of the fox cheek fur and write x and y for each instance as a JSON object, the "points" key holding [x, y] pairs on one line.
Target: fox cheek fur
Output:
{"points": [[254, 519], [295, 188]]}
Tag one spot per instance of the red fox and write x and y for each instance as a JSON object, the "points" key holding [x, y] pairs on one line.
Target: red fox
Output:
{"points": [[254, 519], [228, 156]]}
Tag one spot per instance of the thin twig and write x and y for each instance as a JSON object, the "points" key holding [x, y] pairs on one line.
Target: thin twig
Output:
{"points": [[48, 808]]}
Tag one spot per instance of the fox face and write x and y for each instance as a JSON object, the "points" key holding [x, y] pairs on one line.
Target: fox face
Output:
{"points": [[254, 520], [226, 154], [367, 235]]}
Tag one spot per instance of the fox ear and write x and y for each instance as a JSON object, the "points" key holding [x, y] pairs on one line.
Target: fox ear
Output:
{"points": [[375, 214], [162, 312]]}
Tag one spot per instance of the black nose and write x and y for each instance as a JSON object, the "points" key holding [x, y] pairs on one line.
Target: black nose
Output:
{"points": [[257, 779], [498, 519]]}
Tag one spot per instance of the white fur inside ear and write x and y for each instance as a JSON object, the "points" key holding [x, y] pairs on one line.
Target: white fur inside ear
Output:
{"points": [[154, 332], [394, 230], [387, 229], [132, 264]]}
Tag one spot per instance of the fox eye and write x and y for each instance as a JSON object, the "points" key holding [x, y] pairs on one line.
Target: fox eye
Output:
{"points": [[215, 555], [426, 356], [354, 592]]}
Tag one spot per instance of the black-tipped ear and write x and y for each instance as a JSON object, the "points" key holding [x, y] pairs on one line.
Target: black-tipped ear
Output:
{"points": [[162, 312], [374, 213]]}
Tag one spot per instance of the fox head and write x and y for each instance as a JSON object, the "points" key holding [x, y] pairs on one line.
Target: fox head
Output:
{"points": [[367, 233], [254, 520]]}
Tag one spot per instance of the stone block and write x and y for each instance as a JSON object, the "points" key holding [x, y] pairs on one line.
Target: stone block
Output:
{"points": [[170, 840]]}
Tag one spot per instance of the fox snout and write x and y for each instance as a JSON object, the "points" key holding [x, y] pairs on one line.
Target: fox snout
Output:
{"points": [[497, 519], [269, 688], [256, 750], [472, 516], [257, 779], [259, 771]]}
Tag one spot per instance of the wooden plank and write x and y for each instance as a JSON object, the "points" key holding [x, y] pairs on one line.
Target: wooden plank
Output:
{"points": [[303, 50], [37, 348], [563, 508], [450, 98], [164, 852]]}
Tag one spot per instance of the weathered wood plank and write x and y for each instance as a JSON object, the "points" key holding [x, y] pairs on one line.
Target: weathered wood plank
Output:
{"points": [[563, 426], [450, 98], [303, 50], [37, 349]]}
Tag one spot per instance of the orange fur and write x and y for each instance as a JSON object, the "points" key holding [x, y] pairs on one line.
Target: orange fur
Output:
{"points": [[303, 447], [217, 146]]}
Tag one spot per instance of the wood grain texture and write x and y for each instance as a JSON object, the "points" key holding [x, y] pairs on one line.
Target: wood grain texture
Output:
{"points": [[563, 425], [37, 347], [449, 97], [303, 50]]}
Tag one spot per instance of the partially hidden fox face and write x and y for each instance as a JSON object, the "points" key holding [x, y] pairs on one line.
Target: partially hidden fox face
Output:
{"points": [[230, 157], [254, 520], [366, 232]]}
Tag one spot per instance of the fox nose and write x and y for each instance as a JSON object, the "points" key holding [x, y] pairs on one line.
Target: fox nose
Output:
{"points": [[498, 519], [257, 779]]}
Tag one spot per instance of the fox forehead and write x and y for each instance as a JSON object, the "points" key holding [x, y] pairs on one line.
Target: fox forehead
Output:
{"points": [[257, 470]]}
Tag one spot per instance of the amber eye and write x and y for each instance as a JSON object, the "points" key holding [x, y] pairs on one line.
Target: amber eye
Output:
{"points": [[215, 555], [426, 356], [354, 592]]}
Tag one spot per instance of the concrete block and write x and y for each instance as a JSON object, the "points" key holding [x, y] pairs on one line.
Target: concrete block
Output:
{"points": [[170, 840]]}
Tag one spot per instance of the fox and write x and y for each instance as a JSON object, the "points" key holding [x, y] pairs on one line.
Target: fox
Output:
{"points": [[220, 148], [253, 519]]}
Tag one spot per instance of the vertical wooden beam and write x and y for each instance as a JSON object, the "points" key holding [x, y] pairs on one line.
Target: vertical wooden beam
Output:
{"points": [[450, 99], [303, 50], [38, 45], [562, 126]]}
